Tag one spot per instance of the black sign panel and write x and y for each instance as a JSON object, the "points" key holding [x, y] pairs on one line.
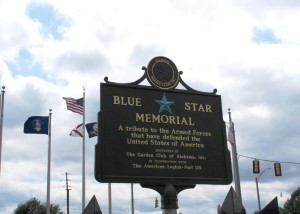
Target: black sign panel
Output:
{"points": [[159, 136]]}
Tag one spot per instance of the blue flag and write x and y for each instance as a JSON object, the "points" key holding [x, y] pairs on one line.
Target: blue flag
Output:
{"points": [[92, 129], [36, 125]]}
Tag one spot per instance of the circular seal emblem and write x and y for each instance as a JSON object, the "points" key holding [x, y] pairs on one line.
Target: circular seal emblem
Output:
{"points": [[162, 73]]}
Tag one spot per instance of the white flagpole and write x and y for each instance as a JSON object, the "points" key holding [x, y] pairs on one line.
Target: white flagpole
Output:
{"points": [[1, 123], [234, 158], [83, 153], [49, 163]]}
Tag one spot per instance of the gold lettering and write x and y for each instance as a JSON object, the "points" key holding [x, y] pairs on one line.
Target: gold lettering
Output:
{"points": [[116, 100], [198, 133], [145, 155], [127, 101], [139, 117], [172, 120], [187, 106], [184, 122], [208, 108], [156, 118], [197, 107], [148, 118], [165, 119], [201, 108], [168, 119]]}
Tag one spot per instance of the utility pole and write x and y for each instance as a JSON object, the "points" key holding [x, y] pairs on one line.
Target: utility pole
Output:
{"points": [[67, 188]]}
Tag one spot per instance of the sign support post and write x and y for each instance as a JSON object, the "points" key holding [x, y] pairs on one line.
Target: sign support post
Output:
{"points": [[168, 193], [169, 200]]}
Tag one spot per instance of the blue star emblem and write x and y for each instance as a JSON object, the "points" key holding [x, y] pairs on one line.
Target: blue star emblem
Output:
{"points": [[164, 104]]}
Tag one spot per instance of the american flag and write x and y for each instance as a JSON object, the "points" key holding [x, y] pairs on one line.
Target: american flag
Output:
{"points": [[75, 105]]}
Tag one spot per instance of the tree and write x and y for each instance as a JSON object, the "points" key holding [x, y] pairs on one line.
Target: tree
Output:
{"points": [[34, 206], [292, 205]]}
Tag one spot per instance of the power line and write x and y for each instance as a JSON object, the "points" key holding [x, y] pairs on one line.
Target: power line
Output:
{"points": [[288, 162]]}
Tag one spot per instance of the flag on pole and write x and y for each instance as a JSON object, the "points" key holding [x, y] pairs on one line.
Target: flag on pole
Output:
{"points": [[75, 105], [42, 125], [78, 106], [1, 120], [92, 129], [83, 151], [36, 125], [230, 136], [77, 131]]}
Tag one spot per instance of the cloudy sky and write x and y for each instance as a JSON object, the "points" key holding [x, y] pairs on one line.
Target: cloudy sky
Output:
{"points": [[248, 50]]}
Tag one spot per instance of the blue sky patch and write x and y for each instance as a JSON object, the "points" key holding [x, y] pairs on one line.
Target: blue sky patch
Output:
{"points": [[264, 36], [25, 66], [51, 21]]}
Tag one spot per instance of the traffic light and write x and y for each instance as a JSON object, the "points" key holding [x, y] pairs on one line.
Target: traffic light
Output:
{"points": [[256, 166], [156, 202], [277, 169]]}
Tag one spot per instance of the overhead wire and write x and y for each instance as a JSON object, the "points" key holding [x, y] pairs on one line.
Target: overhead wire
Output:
{"points": [[253, 158]]}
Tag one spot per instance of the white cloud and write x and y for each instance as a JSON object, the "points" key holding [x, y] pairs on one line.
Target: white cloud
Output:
{"points": [[211, 42]]}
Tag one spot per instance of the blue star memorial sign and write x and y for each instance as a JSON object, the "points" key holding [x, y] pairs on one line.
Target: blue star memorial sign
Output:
{"points": [[164, 104]]}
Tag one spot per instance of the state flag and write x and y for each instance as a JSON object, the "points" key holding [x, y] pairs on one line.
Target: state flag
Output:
{"points": [[77, 131], [92, 129], [36, 125]]}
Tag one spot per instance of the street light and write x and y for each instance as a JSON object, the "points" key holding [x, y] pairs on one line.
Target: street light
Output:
{"points": [[257, 190]]}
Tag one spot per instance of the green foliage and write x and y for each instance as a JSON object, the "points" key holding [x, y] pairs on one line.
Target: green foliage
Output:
{"points": [[282, 211], [292, 205], [34, 206]]}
